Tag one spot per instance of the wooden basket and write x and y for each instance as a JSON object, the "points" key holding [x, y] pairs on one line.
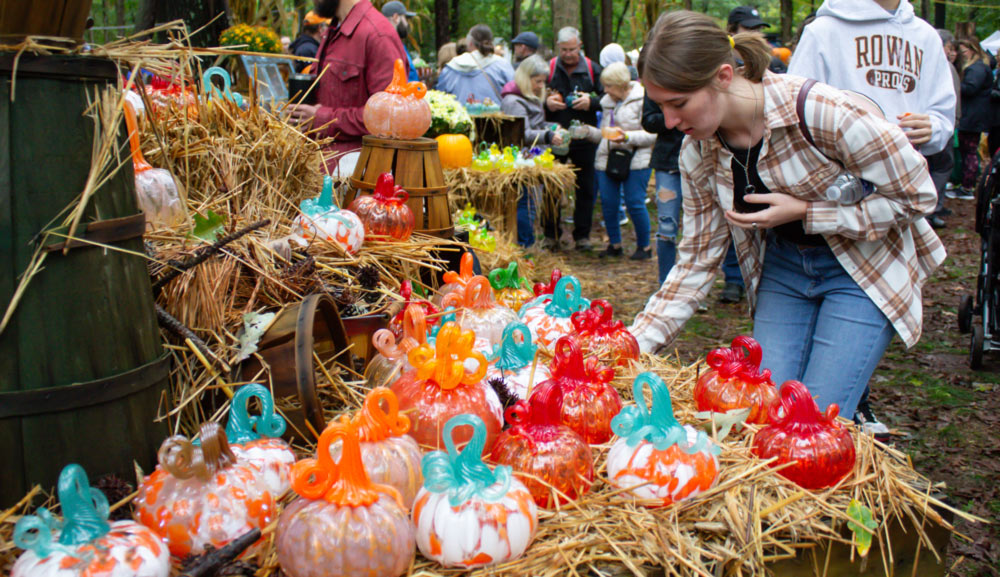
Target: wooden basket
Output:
{"points": [[62, 18], [417, 169]]}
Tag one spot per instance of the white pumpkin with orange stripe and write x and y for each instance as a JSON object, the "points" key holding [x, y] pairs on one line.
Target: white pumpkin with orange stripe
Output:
{"points": [[468, 515], [549, 316]]}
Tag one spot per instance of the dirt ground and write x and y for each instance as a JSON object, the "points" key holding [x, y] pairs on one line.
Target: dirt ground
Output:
{"points": [[945, 415]]}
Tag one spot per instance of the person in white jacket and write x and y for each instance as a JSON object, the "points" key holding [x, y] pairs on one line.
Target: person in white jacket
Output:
{"points": [[879, 48], [621, 128]]}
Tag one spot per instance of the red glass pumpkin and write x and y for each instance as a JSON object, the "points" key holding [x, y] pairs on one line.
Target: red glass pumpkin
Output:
{"points": [[390, 362], [542, 288], [396, 324], [384, 212], [589, 400], [441, 386], [736, 381], [479, 313], [538, 444], [391, 457], [201, 496], [600, 335], [822, 448], [399, 111]]}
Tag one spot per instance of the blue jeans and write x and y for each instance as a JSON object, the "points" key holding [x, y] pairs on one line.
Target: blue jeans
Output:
{"points": [[634, 188], [731, 266], [668, 212], [816, 325], [527, 206]]}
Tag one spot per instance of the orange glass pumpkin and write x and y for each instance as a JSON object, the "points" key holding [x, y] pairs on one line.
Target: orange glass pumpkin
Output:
{"points": [[391, 457], [538, 444], [343, 524], [455, 150], [599, 334], [736, 381], [399, 111], [391, 362], [441, 386], [200, 496], [479, 313], [657, 459], [509, 287], [822, 448], [455, 280], [384, 212], [589, 400]]}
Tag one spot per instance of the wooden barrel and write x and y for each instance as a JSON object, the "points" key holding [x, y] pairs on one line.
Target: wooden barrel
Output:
{"points": [[63, 18], [82, 371], [416, 166]]}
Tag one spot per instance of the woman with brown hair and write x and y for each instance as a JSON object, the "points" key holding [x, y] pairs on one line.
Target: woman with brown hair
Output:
{"points": [[977, 81], [828, 281]]}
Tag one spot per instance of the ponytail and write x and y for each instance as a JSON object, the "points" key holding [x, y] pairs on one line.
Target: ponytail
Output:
{"points": [[755, 54]]}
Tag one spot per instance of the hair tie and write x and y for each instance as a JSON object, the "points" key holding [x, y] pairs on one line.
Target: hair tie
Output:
{"points": [[732, 43]]}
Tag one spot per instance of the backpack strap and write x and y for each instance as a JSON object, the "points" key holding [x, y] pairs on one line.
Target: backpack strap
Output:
{"points": [[552, 69], [800, 110], [590, 70]]}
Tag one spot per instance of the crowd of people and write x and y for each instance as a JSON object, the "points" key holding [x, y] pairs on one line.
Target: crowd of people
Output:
{"points": [[741, 148]]}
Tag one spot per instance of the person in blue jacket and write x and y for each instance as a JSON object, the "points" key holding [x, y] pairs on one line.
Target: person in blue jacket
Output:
{"points": [[478, 73]]}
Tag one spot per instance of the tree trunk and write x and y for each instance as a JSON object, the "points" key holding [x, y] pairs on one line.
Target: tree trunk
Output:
{"points": [[787, 17], [441, 35], [607, 17], [565, 13], [454, 19], [588, 30], [515, 19], [119, 13], [940, 11], [195, 13]]}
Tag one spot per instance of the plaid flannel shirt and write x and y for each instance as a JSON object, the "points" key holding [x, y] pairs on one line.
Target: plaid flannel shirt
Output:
{"points": [[883, 242]]}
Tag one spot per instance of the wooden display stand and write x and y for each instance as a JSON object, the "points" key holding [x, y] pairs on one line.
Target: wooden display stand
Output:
{"points": [[416, 166]]}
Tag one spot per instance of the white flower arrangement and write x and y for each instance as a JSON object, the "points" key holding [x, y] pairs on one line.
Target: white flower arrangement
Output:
{"points": [[448, 116]]}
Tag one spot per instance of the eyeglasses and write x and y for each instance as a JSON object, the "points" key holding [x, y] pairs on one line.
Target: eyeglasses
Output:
{"points": [[569, 49]]}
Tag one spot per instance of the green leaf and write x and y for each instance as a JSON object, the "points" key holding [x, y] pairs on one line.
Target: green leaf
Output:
{"points": [[863, 526], [208, 228], [724, 422]]}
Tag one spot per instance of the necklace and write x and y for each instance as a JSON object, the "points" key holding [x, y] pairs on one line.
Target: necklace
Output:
{"points": [[749, 188]]}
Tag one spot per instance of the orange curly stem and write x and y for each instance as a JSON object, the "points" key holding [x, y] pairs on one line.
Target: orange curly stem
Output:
{"points": [[445, 363], [399, 85], [476, 294], [375, 424], [465, 272], [343, 483]]}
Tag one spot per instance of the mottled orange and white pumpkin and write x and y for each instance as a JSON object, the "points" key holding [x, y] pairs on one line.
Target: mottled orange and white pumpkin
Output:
{"points": [[549, 315], [468, 515], [257, 439], [200, 496], [84, 543], [657, 460]]}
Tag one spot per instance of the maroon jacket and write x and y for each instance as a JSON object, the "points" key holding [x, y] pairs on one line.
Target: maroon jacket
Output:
{"points": [[360, 55]]}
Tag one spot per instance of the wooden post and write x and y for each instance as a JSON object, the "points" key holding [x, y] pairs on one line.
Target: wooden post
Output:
{"points": [[454, 20], [607, 34], [515, 19], [587, 30]]}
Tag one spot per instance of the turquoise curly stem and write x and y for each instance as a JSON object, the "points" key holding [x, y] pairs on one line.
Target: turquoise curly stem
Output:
{"points": [[244, 428], [462, 474], [227, 82], [85, 513], [656, 425], [34, 532], [511, 355], [566, 298]]}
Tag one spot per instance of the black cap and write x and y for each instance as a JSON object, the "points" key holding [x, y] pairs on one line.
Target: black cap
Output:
{"points": [[396, 7], [529, 39], [747, 17]]}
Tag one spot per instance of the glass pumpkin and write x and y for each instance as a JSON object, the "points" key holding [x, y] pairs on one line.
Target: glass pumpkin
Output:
{"points": [[736, 381], [390, 362], [658, 460], [509, 287], [322, 218], [513, 361], [399, 111], [467, 515], [538, 444], [84, 543], [589, 400], [384, 212], [155, 188], [455, 150], [599, 334], [479, 313], [342, 524], [396, 323], [549, 316], [541, 288], [201, 496], [257, 439], [442, 385], [456, 280], [822, 448], [391, 457]]}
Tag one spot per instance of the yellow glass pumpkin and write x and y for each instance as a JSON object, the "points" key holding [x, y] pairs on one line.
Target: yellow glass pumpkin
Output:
{"points": [[455, 150]]}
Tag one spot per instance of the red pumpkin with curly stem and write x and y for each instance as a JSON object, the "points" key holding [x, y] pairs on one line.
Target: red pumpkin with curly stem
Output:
{"points": [[822, 448], [397, 323], [736, 381], [400, 111], [598, 333], [384, 212], [589, 399], [541, 288]]}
